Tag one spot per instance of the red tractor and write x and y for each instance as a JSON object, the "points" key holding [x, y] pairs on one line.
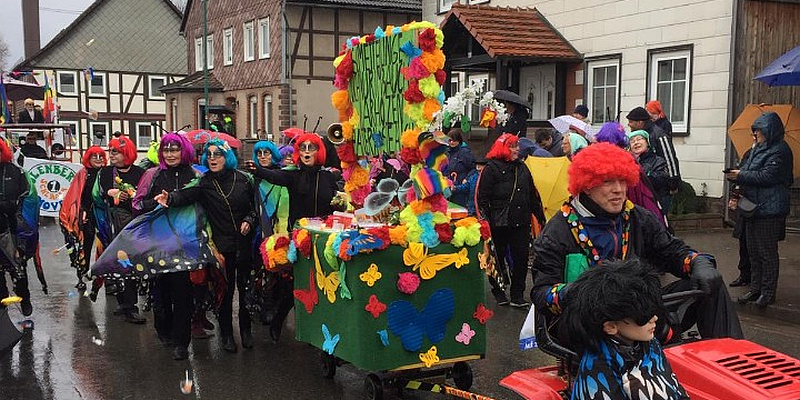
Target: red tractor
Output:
{"points": [[712, 369]]}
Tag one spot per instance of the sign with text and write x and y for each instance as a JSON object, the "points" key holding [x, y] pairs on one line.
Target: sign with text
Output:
{"points": [[52, 180], [376, 91]]}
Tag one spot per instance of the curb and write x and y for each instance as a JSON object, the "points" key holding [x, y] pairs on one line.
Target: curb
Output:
{"points": [[784, 312]]}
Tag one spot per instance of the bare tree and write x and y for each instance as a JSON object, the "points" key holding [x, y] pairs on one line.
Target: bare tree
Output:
{"points": [[3, 53]]}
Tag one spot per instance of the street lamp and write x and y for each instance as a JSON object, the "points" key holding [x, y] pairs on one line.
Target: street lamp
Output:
{"points": [[205, 64]]}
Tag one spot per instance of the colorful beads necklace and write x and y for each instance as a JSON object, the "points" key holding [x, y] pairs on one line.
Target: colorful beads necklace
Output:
{"points": [[581, 235]]}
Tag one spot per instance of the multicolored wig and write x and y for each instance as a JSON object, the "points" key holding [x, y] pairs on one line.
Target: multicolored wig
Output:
{"points": [[618, 291], [172, 138], [314, 139], [612, 132], [90, 152], [5, 152], [230, 156], [600, 162], [277, 158], [654, 107], [501, 148], [124, 145]]}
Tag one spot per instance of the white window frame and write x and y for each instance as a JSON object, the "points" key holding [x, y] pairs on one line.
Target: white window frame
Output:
{"points": [[444, 5], [263, 38], [150, 128], [90, 88], [227, 46], [475, 109], [92, 124], [680, 127], [60, 90], [249, 34], [591, 65], [210, 50], [75, 133], [151, 87], [252, 113], [198, 54], [173, 106], [478, 1], [268, 115]]}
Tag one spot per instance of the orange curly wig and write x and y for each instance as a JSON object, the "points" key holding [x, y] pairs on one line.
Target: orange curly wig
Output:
{"points": [[598, 163]]}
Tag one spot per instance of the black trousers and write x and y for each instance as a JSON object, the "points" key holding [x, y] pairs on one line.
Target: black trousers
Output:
{"points": [[173, 311], [129, 295], [20, 285], [714, 314], [744, 259], [86, 250], [517, 240], [763, 234], [237, 269], [283, 295]]}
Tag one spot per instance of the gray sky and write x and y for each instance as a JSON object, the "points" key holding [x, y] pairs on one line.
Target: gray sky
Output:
{"points": [[54, 15]]}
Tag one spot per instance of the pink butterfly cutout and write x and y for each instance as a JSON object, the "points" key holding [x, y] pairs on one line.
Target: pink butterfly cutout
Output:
{"points": [[465, 335]]}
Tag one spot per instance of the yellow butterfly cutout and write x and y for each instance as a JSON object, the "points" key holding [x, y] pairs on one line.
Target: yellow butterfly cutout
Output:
{"points": [[417, 256], [371, 275], [328, 284], [429, 357]]}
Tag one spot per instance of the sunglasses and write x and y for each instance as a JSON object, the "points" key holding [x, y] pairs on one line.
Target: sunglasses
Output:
{"points": [[308, 147], [215, 154], [264, 153], [113, 151], [172, 149], [97, 157]]}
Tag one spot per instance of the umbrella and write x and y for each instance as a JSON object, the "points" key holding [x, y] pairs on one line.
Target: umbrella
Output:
{"points": [[9, 334], [20, 90], [201, 136], [784, 71], [551, 180], [505, 95], [566, 122], [741, 133]]}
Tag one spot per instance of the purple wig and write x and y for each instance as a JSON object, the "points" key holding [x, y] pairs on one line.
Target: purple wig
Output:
{"points": [[172, 138], [285, 150], [612, 132]]}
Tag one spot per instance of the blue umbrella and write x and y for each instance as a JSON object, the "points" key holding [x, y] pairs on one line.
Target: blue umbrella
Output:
{"points": [[784, 71]]}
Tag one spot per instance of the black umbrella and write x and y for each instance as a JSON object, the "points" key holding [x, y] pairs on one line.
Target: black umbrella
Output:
{"points": [[9, 334], [511, 97]]}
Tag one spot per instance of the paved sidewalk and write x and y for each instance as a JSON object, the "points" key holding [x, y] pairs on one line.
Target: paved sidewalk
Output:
{"points": [[726, 250]]}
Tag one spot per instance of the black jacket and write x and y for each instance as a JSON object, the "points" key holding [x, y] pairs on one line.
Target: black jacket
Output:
{"points": [[516, 123], [648, 240], [25, 118], [170, 179], [765, 174], [655, 168], [105, 179], [311, 190], [227, 197], [494, 192], [661, 143], [13, 189]]}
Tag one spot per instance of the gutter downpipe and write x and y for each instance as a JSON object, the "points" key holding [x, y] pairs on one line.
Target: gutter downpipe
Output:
{"points": [[730, 158]]}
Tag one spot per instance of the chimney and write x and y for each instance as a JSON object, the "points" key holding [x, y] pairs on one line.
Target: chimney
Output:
{"points": [[30, 27]]}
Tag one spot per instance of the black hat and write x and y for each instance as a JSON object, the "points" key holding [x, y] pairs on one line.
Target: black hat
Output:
{"points": [[582, 110], [638, 114]]}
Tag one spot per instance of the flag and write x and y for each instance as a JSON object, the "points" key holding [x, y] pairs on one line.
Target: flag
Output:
{"points": [[88, 74], [4, 112], [49, 101]]}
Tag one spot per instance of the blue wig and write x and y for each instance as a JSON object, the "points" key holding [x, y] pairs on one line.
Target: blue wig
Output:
{"points": [[273, 149], [230, 156]]}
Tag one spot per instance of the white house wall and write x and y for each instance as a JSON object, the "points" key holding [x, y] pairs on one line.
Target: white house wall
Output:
{"points": [[631, 28]]}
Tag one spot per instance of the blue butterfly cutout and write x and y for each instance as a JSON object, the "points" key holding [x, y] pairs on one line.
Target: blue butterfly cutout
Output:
{"points": [[412, 326], [329, 345], [361, 241], [410, 50]]}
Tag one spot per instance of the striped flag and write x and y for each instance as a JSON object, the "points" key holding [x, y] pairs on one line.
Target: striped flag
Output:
{"points": [[49, 108], [4, 112]]}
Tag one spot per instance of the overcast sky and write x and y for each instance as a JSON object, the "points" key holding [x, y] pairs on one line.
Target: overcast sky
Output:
{"points": [[54, 15]]}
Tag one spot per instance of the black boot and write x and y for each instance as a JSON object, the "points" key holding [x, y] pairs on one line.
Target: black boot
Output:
{"points": [[764, 300], [748, 297], [180, 353], [228, 344], [275, 331], [247, 340], [740, 281]]}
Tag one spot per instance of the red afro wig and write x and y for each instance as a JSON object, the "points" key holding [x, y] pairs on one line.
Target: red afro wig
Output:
{"points": [[91, 151], [125, 146], [501, 148], [5, 152], [598, 163], [314, 139]]}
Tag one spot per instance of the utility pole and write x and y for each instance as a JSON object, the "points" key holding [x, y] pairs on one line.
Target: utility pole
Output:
{"points": [[205, 64]]}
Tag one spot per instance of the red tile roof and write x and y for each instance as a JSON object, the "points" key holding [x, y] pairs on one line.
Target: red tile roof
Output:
{"points": [[512, 32]]}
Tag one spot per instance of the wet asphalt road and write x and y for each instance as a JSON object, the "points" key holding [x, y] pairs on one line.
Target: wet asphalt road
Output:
{"points": [[61, 357]]}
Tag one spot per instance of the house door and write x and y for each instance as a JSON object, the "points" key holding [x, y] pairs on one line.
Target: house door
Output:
{"points": [[538, 85]]}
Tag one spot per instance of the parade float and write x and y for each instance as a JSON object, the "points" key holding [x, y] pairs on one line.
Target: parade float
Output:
{"points": [[396, 287]]}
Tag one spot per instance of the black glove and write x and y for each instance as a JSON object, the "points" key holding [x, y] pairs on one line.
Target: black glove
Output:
{"points": [[704, 274]]}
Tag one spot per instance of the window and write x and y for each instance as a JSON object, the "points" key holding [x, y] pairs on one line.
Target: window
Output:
{"points": [[73, 133], [603, 89], [210, 45], [144, 134], [455, 84], [249, 41], [268, 115], [98, 85], [67, 82], [263, 38], [669, 82], [173, 120], [201, 106], [444, 5], [156, 82], [99, 133], [198, 54], [253, 103], [227, 46], [475, 108]]}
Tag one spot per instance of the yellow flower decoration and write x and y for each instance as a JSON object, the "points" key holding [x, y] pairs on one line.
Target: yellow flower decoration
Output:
{"points": [[371, 275], [429, 358]]}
